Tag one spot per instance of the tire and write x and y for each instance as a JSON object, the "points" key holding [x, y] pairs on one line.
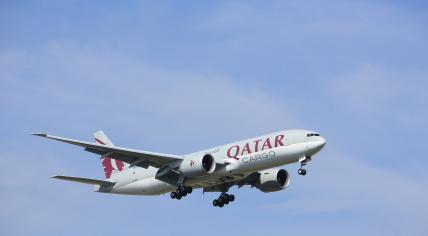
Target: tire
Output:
{"points": [[178, 196], [182, 189], [189, 190], [215, 202], [220, 204], [232, 198], [220, 200], [173, 195], [303, 172]]}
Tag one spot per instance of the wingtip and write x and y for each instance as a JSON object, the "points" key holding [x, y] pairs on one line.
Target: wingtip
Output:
{"points": [[40, 134]]}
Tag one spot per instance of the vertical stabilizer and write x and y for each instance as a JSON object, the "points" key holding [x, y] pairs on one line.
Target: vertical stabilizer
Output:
{"points": [[101, 138], [110, 165]]}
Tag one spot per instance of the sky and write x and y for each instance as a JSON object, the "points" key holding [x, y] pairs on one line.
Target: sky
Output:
{"points": [[180, 76]]}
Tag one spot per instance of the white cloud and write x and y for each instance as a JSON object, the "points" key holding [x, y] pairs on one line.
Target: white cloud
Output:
{"points": [[374, 91], [30, 198], [66, 89], [128, 90], [367, 88], [291, 19]]}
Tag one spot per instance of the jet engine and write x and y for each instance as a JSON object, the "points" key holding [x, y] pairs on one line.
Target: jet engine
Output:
{"points": [[197, 166], [272, 180]]}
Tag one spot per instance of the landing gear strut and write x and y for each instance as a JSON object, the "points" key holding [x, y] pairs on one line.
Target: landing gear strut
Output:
{"points": [[224, 199], [304, 162], [181, 191]]}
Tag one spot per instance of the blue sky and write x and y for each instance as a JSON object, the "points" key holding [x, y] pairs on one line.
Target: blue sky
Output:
{"points": [[176, 77]]}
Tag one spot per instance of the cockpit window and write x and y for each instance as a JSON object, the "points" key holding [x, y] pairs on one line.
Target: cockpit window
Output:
{"points": [[312, 134]]}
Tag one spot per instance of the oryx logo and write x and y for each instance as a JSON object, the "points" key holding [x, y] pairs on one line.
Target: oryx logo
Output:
{"points": [[111, 165], [192, 163]]}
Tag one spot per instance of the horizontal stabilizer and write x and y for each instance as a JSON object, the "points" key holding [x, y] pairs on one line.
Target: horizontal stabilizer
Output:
{"points": [[84, 180]]}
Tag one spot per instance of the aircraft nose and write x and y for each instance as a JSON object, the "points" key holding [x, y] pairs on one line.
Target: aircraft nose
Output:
{"points": [[322, 143], [319, 145], [315, 146]]}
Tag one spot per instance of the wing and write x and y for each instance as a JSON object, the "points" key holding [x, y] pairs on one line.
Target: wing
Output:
{"points": [[131, 156], [223, 184]]}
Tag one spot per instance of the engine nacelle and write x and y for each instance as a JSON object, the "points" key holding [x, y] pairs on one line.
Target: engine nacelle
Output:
{"points": [[197, 166], [272, 180]]}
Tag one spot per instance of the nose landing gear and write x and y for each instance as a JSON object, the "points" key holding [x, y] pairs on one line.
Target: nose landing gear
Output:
{"points": [[303, 162], [224, 199], [181, 191], [301, 171]]}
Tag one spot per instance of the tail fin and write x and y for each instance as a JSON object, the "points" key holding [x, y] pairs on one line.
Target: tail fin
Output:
{"points": [[110, 165], [101, 138]]}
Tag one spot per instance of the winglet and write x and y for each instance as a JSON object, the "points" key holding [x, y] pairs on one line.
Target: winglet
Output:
{"points": [[40, 134]]}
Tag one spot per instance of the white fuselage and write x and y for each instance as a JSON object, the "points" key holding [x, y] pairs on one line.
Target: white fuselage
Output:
{"points": [[241, 159]]}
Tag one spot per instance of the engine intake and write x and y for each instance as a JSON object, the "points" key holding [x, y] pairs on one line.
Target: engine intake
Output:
{"points": [[208, 163], [197, 166], [272, 180]]}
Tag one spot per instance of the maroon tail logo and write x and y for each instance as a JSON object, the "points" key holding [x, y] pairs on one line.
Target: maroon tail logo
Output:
{"points": [[110, 164]]}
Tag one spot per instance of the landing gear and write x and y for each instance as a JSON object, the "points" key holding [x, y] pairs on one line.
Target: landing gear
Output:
{"points": [[223, 199], [181, 191], [302, 171]]}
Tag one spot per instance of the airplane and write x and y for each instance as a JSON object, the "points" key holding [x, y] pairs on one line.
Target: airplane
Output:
{"points": [[254, 162]]}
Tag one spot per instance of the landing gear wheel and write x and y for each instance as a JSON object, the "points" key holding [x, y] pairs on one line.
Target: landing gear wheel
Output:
{"points": [[220, 200], [223, 199], [182, 189], [173, 195], [304, 162]]}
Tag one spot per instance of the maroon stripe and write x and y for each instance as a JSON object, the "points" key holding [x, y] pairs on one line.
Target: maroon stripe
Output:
{"points": [[99, 141]]}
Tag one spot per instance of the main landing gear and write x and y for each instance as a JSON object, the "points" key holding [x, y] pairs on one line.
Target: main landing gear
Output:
{"points": [[224, 199], [181, 191], [304, 162]]}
